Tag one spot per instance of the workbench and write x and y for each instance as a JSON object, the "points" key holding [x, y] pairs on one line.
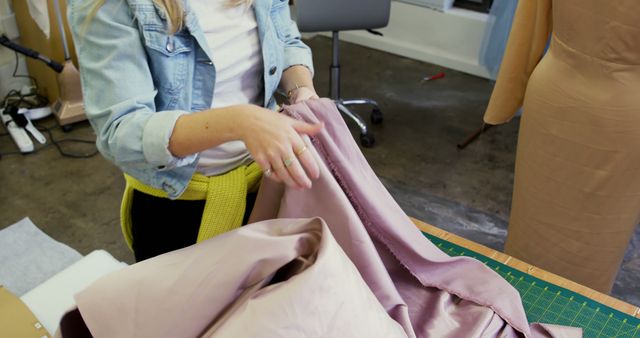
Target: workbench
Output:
{"points": [[547, 297]]}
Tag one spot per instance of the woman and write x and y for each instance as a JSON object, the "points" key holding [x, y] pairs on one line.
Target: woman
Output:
{"points": [[180, 94]]}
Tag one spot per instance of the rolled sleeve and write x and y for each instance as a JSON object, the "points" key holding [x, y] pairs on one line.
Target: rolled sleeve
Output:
{"points": [[296, 52], [118, 89], [299, 56], [155, 141]]}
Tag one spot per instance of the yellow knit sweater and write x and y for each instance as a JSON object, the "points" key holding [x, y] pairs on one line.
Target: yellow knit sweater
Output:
{"points": [[225, 199]]}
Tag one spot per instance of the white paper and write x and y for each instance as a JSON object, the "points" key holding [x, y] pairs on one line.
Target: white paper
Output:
{"points": [[52, 299], [40, 13], [28, 256]]}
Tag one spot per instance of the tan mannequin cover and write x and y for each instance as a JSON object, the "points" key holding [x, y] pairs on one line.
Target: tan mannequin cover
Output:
{"points": [[576, 198]]}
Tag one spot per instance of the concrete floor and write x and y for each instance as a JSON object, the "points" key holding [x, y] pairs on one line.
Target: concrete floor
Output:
{"points": [[467, 192]]}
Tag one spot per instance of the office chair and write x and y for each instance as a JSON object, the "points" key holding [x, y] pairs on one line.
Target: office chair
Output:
{"points": [[339, 15]]}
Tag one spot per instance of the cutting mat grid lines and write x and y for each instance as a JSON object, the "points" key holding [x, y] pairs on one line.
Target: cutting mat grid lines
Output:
{"points": [[547, 303]]}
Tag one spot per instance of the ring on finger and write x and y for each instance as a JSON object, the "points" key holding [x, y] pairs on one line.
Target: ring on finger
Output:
{"points": [[267, 172], [301, 151], [288, 162]]}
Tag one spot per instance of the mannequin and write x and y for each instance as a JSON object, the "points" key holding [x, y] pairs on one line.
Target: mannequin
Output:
{"points": [[576, 197]]}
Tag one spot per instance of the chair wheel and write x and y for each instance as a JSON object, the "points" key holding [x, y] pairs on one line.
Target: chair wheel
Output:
{"points": [[367, 140], [66, 128], [376, 116]]}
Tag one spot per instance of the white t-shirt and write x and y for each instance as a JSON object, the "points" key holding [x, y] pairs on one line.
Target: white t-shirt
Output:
{"points": [[232, 35]]}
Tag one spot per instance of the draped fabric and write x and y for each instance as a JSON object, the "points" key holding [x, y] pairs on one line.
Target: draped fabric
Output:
{"points": [[338, 260]]}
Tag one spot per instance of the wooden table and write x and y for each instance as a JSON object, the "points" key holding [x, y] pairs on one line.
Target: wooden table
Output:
{"points": [[530, 269]]}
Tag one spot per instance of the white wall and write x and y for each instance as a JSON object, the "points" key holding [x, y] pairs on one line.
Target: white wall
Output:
{"points": [[8, 24], [7, 57], [451, 39]]}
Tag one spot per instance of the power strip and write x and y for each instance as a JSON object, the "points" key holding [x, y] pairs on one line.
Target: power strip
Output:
{"points": [[19, 135]]}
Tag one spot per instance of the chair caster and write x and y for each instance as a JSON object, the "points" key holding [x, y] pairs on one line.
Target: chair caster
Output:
{"points": [[367, 140], [376, 116]]}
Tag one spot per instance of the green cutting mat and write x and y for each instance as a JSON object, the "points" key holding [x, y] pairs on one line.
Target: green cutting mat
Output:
{"points": [[547, 303]]}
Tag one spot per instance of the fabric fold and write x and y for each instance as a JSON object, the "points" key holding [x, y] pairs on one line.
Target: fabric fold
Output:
{"points": [[338, 260], [404, 270], [278, 278]]}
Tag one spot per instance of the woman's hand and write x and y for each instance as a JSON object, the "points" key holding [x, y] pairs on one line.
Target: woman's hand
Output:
{"points": [[297, 82], [302, 94], [275, 142]]}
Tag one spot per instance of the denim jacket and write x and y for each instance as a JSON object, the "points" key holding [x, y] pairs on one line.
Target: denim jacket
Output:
{"points": [[137, 79]]}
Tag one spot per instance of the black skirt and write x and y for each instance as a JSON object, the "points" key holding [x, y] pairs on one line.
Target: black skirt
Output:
{"points": [[160, 225]]}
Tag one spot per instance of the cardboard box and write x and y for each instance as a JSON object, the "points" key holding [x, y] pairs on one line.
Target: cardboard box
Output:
{"points": [[16, 320], [32, 37]]}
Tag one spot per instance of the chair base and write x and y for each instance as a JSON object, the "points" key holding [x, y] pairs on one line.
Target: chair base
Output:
{"points": [[367, 140]]}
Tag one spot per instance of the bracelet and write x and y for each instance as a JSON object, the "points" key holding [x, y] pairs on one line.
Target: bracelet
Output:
{"points": [[290, 92]]}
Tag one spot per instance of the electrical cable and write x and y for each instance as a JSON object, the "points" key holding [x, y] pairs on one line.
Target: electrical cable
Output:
{"points": [[34, 100], [17, 99], [15, 71], [29, 101], [5, 41], [58, 145]]}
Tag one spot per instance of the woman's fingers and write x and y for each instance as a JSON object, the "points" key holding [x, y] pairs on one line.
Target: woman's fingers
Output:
{"points": [[288, 168], [297, 173], [274, 176], [267, 170], [280, 169], [306, 128], [285, 159], [307, 160]]}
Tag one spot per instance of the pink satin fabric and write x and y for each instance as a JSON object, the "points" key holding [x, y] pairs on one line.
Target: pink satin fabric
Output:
{"points": [[429, 293], [338, 260], [278, 278]]}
